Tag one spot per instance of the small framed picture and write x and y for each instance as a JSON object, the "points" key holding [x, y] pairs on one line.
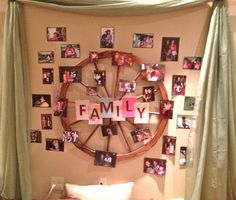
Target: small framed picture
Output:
{"points": [[47, 74], [153, 72], [169, 143], [104, 158], [154, 166], [60, 108], [107, 37], [35, 136], [170, 49], [189, 103], [143, 40], [100, 77], [54, 144], [70, 50], [41, 100], [192, 63], [178, 85], [91, 91], [184, 121], [122, 59], [46, 121], [93, 57], [140, 134], [70, 136], [166, 108], [183, 156], [109, 130], [70, 74], [46, 57], [56, 33], [148, 94], [127, 85]]}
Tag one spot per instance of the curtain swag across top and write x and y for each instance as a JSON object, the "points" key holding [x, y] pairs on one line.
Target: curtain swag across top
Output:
{"points": [[212, 143]]}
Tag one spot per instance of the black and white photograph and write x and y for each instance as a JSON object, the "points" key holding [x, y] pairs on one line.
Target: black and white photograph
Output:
{"points": [[148, 94], [35, 136], [56, 33], [143, 40], [70, 50], [70, 136], [189, 103], [104, 158], [107, 37], [45, 57]]}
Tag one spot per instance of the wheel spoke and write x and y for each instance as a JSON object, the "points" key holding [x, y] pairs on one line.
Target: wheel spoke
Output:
{"points": [[75, 122], [91, 134], [123, 134]]}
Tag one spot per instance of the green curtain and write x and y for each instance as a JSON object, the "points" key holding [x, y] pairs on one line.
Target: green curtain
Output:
{"points": [[214, 138]]}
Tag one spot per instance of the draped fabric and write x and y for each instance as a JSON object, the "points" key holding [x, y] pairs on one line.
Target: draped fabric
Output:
{"points": [[211, 144]]}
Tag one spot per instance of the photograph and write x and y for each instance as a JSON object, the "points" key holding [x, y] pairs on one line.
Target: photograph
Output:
{"points": [[100, 77], [178, 85], [107, 37], [70, 136], [41, 100], [143, 40], [192, 63], [54, 144], [166, 108], [56, 33], [122, 59], [109, 130], [189, 103], [127, 85], [141, 134], [183, 156], [154, 166], [93, 57], [69, 74], [184, 121], [35, 136], [148, 94], [47, 74], [170, 49], [104, 158], [152, 72], [91, 91], [60, 108], [45, 57], [169, 143], [70, 50], [46, 121]]}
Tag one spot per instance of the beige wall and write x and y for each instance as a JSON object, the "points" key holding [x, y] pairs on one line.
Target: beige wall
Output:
{"points": [[74, 165]]}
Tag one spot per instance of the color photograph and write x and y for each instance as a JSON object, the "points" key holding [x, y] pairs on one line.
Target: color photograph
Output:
{"points": [[35, 136], [56, 33], [169, 143], [154, 166], [178, 85], [141, 134], [189, 103], [70, 136], [45, 57], [70, 51], [184, 121], [109, 130], [166, 108], [46, 121], [60, 108], [54, 144], [192, 63], [47, 74], [41, 100], [153, 72], [143, 40], [122, 59], [106, 159], [68, 74], [170, 49]]}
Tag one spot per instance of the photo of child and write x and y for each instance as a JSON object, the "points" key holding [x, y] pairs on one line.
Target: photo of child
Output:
{"points": [[106, 159], [169, 143], [154, 166]]}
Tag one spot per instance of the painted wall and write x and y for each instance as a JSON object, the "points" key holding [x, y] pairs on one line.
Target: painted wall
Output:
{"points": [[75, 166]]}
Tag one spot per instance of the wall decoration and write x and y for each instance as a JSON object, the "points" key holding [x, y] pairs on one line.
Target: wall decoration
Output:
{"points": [[104, 158], [143, 40], [148, 94], [54, 144], [169, 143], [107, 37], [141, 134], [41, 100], [184, 121], [154, 166], [46, 121], [70, 50], [122, 59], [192, 63], [60, 108], [153, 72], [47, 74], [35, 136], [45, 57], [183, 156], [91, 91], [70, 74], [166, 108], [109, 130], [56, 33], [178, 85], [127, 85], [170, 49], [70, 136], [189, 103], [100, 77], [93, 57]]}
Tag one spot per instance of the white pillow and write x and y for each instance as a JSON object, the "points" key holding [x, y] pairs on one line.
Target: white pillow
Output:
{"points": [[100, 192]]}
